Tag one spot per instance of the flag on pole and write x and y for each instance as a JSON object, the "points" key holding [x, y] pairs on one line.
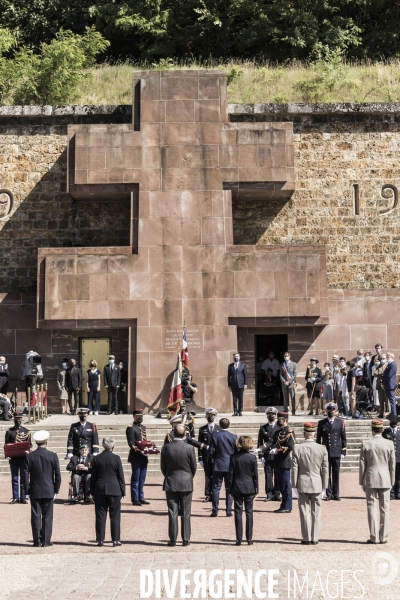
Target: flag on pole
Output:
{"points": [[45, 397], [34, 398], [175, 394], [185, 351]]}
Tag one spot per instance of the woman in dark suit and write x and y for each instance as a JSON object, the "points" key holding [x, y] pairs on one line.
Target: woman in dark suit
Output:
{"points": [[243, 486], [107, 488]]}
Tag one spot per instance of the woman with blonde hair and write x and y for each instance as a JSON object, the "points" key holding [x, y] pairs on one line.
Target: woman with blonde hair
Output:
{"points": [[243, 486]]}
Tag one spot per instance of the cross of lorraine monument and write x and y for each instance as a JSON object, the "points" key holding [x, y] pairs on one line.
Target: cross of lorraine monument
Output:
{"points": [[181, 164]]}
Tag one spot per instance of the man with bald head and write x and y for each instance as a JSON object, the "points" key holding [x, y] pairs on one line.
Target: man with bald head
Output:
{"points": [[178, 465]]}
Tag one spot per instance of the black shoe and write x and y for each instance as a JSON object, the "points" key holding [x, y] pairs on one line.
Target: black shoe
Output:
{"points": [[269, 499], [206, 500], [277, 499], [186, 543], [23, 502], [240, 415], [109, 413], [310, 414], [313, 543], [250, 542], [305, 543], [234, 415], [328, 498], [100, 544], [36, 544], [228, 514], [46, 545], [370, 541], [136, 503], [282, 510], [15, 501], [172, 544], [75, 500], [336, 498], [238, 543], [293, 414], [383, 542], [115, 544], [144, 502], [214, 514]]}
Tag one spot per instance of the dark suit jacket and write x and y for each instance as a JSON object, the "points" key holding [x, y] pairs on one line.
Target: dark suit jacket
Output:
{"points": [[107, 475], [205, 438], [389, 376], [42, 477], [332, 436], [237, 377], [73, 463], [136, 433], [73, 378], [178, 465], [243, 474], [266, 437], [388, 435], [317, 373], [112, 376], [223, 445]]}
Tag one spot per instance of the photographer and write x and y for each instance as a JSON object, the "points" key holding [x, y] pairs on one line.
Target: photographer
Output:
{"points": [[4, 375], [31, 371], [189, 388], [6, 405]]}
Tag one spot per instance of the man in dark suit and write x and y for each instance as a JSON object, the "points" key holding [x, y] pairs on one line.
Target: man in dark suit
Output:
{"points": [[82, 432], [73, 383], [112, 383], [42, 482], [392, 433], [136, 433], [265, 442], [206, 461], [107, 488], [222, 447], [122, 389], [237, 383], [389, 382], [178, 465], [81, 468], [331, 433]]}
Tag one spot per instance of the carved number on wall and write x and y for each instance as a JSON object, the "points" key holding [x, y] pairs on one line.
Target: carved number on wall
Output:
{"points": [[394, 189], [8, 203]]}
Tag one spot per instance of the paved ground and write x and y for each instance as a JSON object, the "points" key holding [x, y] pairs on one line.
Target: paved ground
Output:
{"points": [[75, 568]]}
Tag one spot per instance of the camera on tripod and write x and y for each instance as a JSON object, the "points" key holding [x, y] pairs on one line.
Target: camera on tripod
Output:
{"points": [[32, 366]]}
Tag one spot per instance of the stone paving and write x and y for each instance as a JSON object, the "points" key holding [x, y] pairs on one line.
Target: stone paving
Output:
{"points": [[75, 568]]}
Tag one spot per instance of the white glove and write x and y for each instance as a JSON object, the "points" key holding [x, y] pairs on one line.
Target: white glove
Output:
{"points": [[296, 493], [201, 464], [55, 496], [207, 447], [69, 455], [273, 451], [323, 494], [341, 457], [27, 497], [95, 454], [263, 461]]}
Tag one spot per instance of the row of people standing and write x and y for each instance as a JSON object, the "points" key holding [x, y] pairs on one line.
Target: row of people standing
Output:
{"points": [[115, 379]]}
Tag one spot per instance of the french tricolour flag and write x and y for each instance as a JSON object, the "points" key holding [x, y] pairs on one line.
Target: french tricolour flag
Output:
{"points": [[185, 351], [175, 393]]}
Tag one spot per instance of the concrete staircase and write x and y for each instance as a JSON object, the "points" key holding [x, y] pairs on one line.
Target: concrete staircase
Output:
{"points": [[357, 431]]}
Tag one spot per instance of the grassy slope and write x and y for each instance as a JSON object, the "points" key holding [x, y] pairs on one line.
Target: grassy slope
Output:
{"points": [[324, 82]]}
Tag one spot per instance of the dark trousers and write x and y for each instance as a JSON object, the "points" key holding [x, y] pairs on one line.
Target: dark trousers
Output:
{"points": [[218, 478], [285, 488], [102, 504], [237, 398], [4, 388], [383, 401], [208, 473], [42, 520], [333, 483], [271, 480], [17, 469], [94, 400], [78, 480], [112, 399], [121, 400], [138, 478], [396, 487], [75, 394], [182, 501], [5, 406], [392, 400], [248, 500]]}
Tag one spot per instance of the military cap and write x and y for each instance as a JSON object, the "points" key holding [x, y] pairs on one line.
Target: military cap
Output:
{"points": [[331, 405], [211, 411], [18, 414], [82, 411], [271, 409], [377, 424], [310, 427], [314, 360], [83, 445], [137, 411], [41, 436], [283, 415], [175, 419]]}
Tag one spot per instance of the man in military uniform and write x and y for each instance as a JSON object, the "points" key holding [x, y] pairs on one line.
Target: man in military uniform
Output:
{"points": [[81, 467], [206, 461], [331, 432], [283, 444], [188, 422], [16, 434], [82, 432], [136, 433], [392, 433], [265, 441]]}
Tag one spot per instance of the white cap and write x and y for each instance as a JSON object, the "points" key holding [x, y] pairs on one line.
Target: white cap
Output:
{"points": [[211, 411], [41, 436], [175, 419], [271, 409], [335, 357]]}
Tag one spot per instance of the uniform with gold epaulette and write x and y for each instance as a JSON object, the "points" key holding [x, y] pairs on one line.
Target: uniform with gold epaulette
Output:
{"points": [[82, 432], [136, 433], [284, 442], [16, 434]]}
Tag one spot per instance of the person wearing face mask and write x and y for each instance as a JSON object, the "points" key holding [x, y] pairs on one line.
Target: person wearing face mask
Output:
{"points": [[14, 435], [313, 385], [82, 432], [343, 394], [376, 363], [93, 387], [237, 383], [389, 382], [288, 374], [112, 382], [4, 375], [282, 447], [392, 433], [264, 444], [206, 433], [367, 375], [331, 433], [62, 387], [380, 368], [136, 433], [271, 363], [359, 360], [122, 389], [73, 382]]}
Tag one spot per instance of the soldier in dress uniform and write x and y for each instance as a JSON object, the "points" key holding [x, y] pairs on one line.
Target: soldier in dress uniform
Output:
{"points": [[283, 444], [82, 432], [188, 422], [16, 434], [392, 433], [136, 433], [331, 432], [206, 461], [265, 441]]}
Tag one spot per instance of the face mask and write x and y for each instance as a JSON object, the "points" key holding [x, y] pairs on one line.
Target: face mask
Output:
{"points": [[358, 354], [271, 355], [390, 360], [281, 423], [271, 418], [82, 417], [393, 424], [139, 419], [379, 351], [236, 359], [210, 419], [384, 361], [313, 365], [73, 365], [65, 365], [111, 361], [121, 366], [287, 358], [330, 413], [342, 363], [17, 422], [92, 364]]}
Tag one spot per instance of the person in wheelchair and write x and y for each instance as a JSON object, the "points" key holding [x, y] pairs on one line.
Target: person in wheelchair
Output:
{"points": [[5, 404], [270, 388], [81, 467]]}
